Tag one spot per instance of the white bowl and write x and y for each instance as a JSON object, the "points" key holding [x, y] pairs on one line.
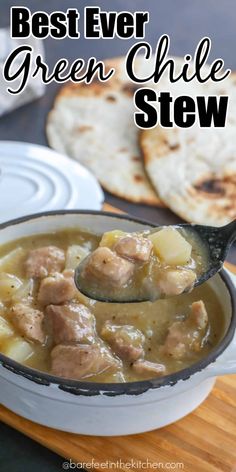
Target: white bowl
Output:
{"points": [[112, 409]]}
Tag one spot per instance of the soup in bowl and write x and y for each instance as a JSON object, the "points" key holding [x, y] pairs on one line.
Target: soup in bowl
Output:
{"points": [[101, 355]]}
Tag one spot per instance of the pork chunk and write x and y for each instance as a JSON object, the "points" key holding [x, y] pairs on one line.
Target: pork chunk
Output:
{"points": [[56, 289], [125, 341], [71, 323], [81, 361], [198, 314], [173, 282], [104, 265], [134, 248], [29, 322], [44, 261], [187, 336], [146, 367]]}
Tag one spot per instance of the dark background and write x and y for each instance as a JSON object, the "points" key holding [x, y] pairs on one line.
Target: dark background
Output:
{"points": [[186, 21]]}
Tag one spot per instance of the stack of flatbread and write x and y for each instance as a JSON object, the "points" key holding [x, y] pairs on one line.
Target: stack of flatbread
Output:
{"points": [[191, 171]]}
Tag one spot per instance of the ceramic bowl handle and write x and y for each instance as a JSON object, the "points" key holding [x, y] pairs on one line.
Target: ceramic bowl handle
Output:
{"points": [[226, 363]]}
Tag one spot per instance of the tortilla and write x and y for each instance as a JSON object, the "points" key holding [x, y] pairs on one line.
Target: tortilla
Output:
{"points": [[194, 170], [94, 124]]}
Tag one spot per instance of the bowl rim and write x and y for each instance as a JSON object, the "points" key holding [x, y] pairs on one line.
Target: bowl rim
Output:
{"points": [[80, 387]]}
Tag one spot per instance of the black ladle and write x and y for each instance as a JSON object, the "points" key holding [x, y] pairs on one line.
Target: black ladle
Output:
{"points": [[215, 242]]}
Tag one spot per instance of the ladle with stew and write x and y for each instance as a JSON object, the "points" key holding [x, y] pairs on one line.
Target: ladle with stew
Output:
{"points": [[153, 264]]}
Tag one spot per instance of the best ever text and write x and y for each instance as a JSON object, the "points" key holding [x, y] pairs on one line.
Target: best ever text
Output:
{"points": [[59, 24]]}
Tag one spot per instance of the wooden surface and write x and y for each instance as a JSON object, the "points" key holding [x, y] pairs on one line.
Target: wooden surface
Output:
{"points": [[204, 441]]}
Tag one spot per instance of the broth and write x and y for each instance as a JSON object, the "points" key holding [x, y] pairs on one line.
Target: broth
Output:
{"points": [[152, 319]]}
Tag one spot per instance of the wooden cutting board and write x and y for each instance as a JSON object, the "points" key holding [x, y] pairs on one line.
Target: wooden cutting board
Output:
{"points": [[204, 441]]}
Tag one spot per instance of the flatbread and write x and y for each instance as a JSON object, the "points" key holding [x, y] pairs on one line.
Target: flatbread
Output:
{"points": [[94, 124], [194, 170]]}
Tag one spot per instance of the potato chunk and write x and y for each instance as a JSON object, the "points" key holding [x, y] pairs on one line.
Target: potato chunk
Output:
{"points": [[12, 259], [9, 284], [74, 255], [18, 349], [24, 292], [171, 247], [110, 238], [5, 328]]}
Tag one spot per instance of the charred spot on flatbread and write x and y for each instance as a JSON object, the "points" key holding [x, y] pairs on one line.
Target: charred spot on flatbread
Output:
{"points": [[130, 88], [212, 187], [84, 128], [138, 178], [216, 187], [173, 146], [111, 98], [220, 193], [158, 139]]}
